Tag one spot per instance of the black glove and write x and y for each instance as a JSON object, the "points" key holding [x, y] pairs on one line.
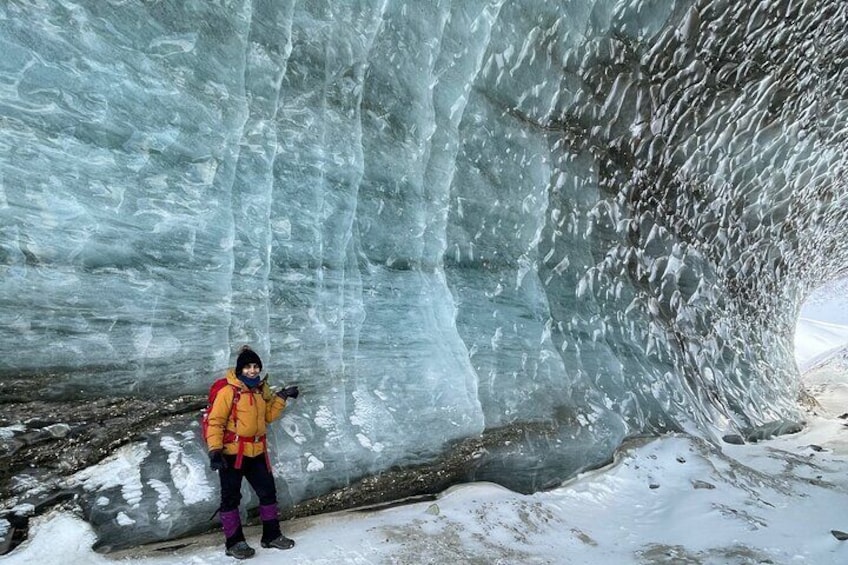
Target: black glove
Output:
{"points": [[217, 461], [288, 392]]}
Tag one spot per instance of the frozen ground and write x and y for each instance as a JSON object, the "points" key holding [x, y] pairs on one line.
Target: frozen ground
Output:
{"points": [[673, 500]]}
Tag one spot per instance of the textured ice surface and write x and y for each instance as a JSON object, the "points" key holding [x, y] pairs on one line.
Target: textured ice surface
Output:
{"points": [[436, 217]]}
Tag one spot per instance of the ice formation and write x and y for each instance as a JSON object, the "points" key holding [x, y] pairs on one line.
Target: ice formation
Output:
{"points": [[438, 218]]}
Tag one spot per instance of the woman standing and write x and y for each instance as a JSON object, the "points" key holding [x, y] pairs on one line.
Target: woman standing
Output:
{"points": [[237, 422]]}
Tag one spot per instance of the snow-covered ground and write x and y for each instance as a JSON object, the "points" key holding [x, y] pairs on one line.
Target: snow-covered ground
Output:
{"points": [[673, 500], [817, 340]]}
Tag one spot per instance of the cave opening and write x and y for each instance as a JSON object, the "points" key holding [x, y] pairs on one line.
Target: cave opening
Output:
{"points": [[821, 345]]}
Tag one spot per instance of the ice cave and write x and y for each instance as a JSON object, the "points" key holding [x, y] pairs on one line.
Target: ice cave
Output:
{"points": [[520, 230]]}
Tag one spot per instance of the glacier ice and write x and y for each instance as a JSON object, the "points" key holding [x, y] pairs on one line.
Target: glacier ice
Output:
{"points": [[438, 218]]}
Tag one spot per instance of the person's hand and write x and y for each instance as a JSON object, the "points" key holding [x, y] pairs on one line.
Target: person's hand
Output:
{"points": [[216, 460], [267, 391], [288, 392]]}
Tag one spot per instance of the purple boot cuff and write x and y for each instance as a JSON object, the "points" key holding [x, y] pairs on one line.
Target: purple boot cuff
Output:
{"points": [[231, 522], [268, 512]]}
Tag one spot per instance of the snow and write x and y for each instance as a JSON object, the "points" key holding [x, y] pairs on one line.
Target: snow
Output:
{"points": [[671, 500], [819, 340], [823, 324]]}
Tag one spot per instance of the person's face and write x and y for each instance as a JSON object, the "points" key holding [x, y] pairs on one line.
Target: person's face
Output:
{"points": [[251, 370]]}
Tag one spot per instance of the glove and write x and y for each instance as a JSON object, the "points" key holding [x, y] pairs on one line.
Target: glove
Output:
{"points": [[217, 461], [288, 392]]}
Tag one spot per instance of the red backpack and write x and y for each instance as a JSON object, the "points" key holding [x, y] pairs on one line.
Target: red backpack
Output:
{"points": [[213, 392]]}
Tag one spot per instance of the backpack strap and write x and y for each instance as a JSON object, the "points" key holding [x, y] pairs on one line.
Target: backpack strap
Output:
{"points": [[234, 408]]}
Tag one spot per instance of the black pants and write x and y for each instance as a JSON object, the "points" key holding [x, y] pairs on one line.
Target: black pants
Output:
{"points": [[255, 470]]}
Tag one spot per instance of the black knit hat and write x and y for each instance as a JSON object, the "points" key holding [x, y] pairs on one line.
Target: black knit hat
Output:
{"points": [[245, 357]]}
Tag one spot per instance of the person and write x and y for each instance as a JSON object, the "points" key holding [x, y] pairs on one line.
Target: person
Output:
{"points": [[238, 450]]}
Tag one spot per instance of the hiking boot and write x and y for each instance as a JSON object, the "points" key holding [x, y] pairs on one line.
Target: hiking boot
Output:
{"points": [[281, 542], [241, 551]]}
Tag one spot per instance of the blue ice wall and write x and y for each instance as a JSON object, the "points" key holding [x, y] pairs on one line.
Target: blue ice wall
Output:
{"points": [[436, 217]]}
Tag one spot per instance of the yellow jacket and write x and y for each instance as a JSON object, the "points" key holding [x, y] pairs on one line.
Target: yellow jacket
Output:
{"points": [[254, 411]]}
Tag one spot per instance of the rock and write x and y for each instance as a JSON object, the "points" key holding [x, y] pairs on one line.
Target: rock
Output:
{"points": [[734, 439], [840, 535], [702, 485], [773, 429]]}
